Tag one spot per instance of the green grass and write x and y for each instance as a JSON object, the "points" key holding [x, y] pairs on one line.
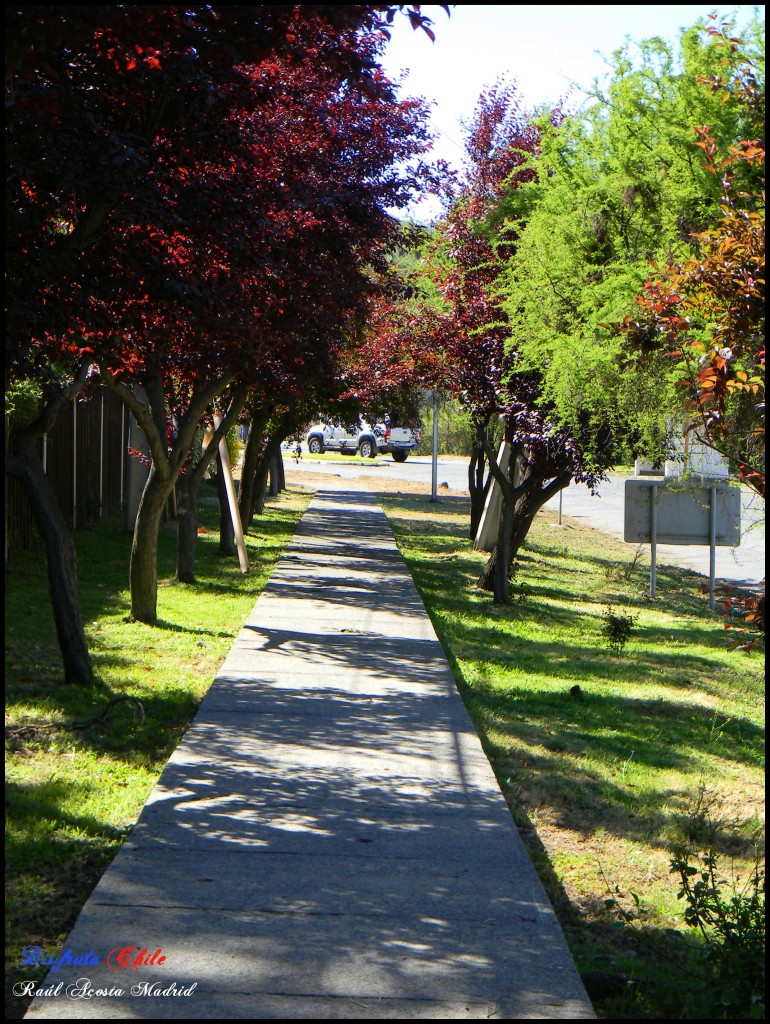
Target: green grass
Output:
{"points": [[663, 745], [354, 460], [73, 796]]}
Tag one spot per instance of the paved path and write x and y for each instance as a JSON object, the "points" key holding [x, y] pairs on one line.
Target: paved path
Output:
{"points": [[328, 840]]}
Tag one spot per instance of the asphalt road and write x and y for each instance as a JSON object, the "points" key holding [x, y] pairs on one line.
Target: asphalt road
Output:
{"points": [[742, 566]]}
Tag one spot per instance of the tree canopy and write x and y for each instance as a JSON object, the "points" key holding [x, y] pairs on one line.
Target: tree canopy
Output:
{"points": [[193, 194], [707, 313], [618, 186]]}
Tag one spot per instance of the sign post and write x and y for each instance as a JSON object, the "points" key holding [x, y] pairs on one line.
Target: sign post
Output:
{"points": [[665, 511], [434, 465], [713, 544], [654, 541]]}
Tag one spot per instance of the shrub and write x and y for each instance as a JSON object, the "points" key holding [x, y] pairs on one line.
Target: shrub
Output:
{"points": [[732, 922], [617, 629]]}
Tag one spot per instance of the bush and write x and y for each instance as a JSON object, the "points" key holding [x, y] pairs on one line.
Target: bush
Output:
{"points": [[732, 922], [617, 629]]}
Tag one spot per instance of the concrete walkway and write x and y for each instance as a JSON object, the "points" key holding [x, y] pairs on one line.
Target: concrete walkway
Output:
{"points": [[328, 839]]}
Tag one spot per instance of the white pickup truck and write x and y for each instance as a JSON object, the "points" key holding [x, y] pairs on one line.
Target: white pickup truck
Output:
{"points": [[369, 441]]}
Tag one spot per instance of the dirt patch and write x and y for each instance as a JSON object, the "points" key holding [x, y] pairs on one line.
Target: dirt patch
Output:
{"points": [[313, 481]]}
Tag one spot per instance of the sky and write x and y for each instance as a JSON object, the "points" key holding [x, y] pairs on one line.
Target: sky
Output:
{"points": [[545, 49]]}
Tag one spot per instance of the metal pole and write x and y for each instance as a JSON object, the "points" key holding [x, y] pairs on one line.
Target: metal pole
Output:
{"points": [[713, 549], [653, 539], [561, 493], [434, 468]]}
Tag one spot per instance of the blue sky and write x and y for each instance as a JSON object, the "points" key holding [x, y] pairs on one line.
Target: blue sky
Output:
{"points": [[545, 49]]}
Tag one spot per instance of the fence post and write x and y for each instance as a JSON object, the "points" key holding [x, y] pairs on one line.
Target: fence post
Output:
{"points": [[74, 463], [434, 451], [122, 454], [101, 454]]}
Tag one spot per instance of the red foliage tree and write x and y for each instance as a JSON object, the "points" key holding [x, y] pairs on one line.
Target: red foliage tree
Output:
{"points": [[500, 144], [480, 362], [479, 351], [389, 371], [184, 186], [284, 270]]}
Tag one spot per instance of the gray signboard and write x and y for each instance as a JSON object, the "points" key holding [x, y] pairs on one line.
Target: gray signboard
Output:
{"points": [[683, 513], [670, 511]]}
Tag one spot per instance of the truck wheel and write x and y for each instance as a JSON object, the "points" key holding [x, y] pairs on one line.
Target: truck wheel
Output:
{"points": [[367, 449], [399, 456], [315, 446]]}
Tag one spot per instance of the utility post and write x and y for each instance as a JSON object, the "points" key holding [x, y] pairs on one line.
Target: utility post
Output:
{"points": [[434, 467]]}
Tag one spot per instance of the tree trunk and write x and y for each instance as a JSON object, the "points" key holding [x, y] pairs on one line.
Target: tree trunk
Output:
{"points": [[516, 529], [521, 528], [143, 572], [251, 457], [187, 526], [518, 514], [260, 488], [260, 477], [187, 538], [479, 489], [498, 566], [60, 557], [188, 493], [226, 528], [166, 467], [276, 472], [281, 470]]}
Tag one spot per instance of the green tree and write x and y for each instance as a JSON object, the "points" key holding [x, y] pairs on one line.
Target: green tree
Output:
{"points": [[618, 186], [708, 312]]}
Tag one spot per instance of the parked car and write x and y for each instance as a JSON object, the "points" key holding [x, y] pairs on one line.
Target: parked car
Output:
{"points": [[369, 441]]}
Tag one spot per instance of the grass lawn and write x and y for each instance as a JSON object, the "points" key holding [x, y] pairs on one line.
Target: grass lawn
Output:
{"points": [[73, 796], [659, 747], [352, 458]]}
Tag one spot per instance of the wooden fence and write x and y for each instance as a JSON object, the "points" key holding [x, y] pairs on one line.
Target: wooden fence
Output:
{"points": [[86, 459]]}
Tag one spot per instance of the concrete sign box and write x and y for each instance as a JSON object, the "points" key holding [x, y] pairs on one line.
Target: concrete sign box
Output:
{"points": [[683, 513], [643, 467], [693, 457], [486, 535]]}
